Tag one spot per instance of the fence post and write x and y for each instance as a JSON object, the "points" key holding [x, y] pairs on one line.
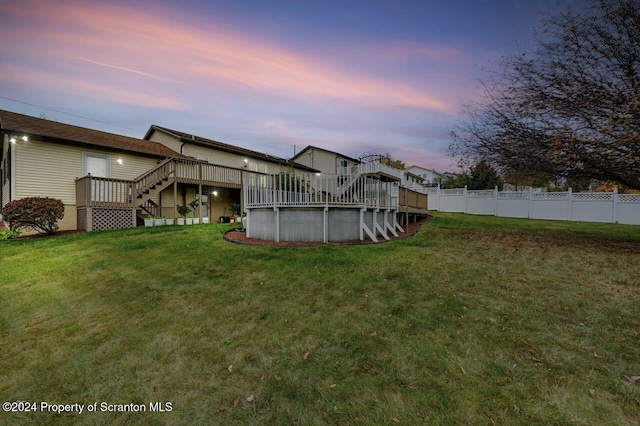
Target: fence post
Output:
{"points": [[495, 205], [465, 199], [615, 205], [530, 203], [569, 208]]}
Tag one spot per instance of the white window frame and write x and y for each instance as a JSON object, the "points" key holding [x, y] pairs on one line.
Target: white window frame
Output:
{"points": [[203, 157]]}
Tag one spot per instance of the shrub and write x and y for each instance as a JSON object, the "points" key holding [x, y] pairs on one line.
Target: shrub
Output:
{"points": [[40, 214], [9, 234], [184, 210]]}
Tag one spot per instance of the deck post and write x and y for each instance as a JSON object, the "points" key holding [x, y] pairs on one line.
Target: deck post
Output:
{"points": [[277, 227], [200, 193], [175, 203], [325, 225]]}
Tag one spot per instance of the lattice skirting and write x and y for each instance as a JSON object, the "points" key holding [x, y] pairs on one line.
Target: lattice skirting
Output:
{"points": [[97, 219]]}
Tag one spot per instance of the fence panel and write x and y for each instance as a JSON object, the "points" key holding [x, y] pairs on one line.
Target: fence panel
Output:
{"points": [[481, 202], [608, 207]]}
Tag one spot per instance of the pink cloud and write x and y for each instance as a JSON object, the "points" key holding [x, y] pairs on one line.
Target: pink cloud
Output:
{"points": [[161, 45], [70, 85]]}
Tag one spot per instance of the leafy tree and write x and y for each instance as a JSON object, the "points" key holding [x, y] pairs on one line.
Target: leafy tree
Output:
{"points": [[570, 109], [480, 176]]}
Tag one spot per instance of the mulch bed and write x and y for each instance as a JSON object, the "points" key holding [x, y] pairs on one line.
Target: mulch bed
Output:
{"points": [[55, 234], [240, 237]]}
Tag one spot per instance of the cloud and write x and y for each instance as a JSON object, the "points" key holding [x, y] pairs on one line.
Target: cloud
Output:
{"points": [[119, 68], [153, 42], [68, 85]]}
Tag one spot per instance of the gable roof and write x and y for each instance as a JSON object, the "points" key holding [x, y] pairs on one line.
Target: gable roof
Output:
{"points": [[221, 146], [423, 168], [308, 147], [53, 131]]}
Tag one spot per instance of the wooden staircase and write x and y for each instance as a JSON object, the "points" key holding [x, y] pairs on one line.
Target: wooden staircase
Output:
{"points": [[147, 186]]}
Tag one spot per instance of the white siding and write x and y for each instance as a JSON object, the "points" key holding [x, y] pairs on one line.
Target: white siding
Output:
{"points": [[49, 170], [6, 185], [167, 140], [326, 162]]}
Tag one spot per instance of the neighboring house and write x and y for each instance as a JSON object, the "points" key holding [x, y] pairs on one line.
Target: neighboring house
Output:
{"points": [[43, 158], [324, 160], [430, 177]]}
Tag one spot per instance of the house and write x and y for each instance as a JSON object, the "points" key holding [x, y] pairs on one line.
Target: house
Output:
{"points": [[429, 177], [43, 158], [109, 181], [325, 160]]}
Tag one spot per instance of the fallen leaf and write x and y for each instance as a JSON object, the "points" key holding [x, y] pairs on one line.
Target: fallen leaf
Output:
{"points": [[251, 398], [595, 355], [230, 368], [236, 402], [319, 385], [374, 334], [306, 355], [462, 369], [325, 414], [632, 378], [154, 389], [335, 408], [396, 420], [264, 376], [278, 378], [333, 385], [592, 392], [221, 410], [536, 359]]}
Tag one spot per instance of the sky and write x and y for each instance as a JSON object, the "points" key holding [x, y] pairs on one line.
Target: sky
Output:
{"points": [[356, 77]]}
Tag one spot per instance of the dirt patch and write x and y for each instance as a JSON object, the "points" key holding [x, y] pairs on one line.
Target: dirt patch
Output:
{"points": [[240, 237]]}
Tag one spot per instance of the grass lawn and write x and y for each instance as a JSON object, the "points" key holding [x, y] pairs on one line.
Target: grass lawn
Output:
{"points": [[475, 320]]}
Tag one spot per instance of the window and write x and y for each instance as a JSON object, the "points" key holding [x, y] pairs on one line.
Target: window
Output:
{"points": [[203, 157]]}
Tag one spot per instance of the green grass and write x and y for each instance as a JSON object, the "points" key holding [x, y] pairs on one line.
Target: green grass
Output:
{"points": [[475, 320]]}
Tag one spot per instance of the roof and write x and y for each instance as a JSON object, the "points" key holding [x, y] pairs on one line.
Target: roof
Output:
{"points": [[221, 146], [53, 131], [308, 147]]}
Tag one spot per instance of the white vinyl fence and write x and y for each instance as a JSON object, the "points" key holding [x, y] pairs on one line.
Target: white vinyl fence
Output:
{"points": [[608, 207]]}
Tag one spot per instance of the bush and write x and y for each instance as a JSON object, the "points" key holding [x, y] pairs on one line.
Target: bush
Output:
{"points": [[40, 214], [9, 234]]}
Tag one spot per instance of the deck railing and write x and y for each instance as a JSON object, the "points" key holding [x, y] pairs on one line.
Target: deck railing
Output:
{"points": [[309, 189], [92, 191]]}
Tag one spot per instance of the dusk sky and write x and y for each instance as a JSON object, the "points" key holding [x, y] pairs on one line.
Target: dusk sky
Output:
{"points": [[355, 77]]}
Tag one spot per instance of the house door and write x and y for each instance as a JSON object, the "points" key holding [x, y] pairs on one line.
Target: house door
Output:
{"points": [[98, 166]]}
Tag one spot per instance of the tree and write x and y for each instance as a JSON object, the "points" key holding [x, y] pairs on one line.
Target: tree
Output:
{"points": [[480, 176], [386, 159], [570, 110]]}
